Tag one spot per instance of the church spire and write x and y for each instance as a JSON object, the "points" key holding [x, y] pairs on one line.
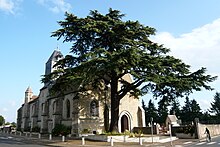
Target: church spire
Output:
{"points": [[55, 56], [28, 94], [58, 47]]}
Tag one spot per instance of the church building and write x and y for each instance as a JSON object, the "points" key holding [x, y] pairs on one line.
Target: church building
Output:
{"points": [[43, 112]]}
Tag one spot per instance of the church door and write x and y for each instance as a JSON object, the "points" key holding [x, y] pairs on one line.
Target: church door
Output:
{"points": [[124, 123]]}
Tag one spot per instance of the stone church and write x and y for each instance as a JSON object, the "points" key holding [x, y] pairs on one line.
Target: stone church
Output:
{"points": [[43, 111]]}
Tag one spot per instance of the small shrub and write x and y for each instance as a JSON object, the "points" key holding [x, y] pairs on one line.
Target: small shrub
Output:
{"points": [[85, 131], [127, 132], [27, 129], [114, 133], [180, 130], [190, 130], [187, 130], [35, 129], [61, 129]]}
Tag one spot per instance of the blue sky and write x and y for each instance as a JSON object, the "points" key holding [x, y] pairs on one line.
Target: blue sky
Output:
{"points": [[191, 28]]}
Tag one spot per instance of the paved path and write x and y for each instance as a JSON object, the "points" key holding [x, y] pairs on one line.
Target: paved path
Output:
{"points": [[164, 142]]}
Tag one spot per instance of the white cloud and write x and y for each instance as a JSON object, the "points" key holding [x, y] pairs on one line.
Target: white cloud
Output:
{"points": [[199, 48], [4, 109], [7, 6], [56, 6], [10, 6]]}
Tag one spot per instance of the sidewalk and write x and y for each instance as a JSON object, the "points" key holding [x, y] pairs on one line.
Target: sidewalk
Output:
{"points": [[77, 142]]}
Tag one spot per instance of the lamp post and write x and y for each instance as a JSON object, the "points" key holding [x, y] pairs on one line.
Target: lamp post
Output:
{"points": [[151, 120], [171, 141]]}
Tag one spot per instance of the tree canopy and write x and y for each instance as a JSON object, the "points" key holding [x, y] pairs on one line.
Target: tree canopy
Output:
{"points": [[215, 105], [2, 120], [150, 112], [105, 49]]}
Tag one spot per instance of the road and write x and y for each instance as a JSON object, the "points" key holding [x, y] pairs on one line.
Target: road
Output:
{"points": [[214, 143], [9, 141], [193, 143]]}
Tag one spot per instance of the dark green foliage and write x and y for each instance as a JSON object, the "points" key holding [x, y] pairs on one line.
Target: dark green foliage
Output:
{"points": [[13, 124], [28, 129], [61, 129], [214, 109], [195, 109], [185, 112], [190, 111], [215, 105], [2, 120], [105, 48], [7, 123], [162, 111], [207, 118], [18, 129], [35, 129], [188, 129], [175, 108], [150, 112]]}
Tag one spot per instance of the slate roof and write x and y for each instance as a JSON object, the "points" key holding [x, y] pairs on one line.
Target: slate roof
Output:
{"points": [[172, 118], [29, 89], [55, 55]]}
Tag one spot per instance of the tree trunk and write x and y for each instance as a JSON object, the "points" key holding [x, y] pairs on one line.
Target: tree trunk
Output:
{"points": [[106, 118], [114, 116], [114, 105]]}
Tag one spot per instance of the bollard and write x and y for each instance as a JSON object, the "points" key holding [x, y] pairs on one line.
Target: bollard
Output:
{"points": [[26, 134], [171, 141], [39, 136], [20, 133], [124, 138], [63, 138], [140, 141], [50, 137], [112, 144], [83, 140], [30, 134]]}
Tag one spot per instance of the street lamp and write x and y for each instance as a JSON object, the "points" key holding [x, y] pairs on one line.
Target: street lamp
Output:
{"points": [[151, 120]]}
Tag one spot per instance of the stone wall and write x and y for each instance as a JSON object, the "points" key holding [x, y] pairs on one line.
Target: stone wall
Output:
{"points": [[213, 128]]}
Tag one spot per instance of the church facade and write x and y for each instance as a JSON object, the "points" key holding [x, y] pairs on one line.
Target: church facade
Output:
{"points": [[43, 112]]}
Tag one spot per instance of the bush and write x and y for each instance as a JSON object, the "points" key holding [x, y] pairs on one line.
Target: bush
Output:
{"points": [[112, 133], [190, 129], [35, 129], [28, 129], [61, 129], [84, 131]]}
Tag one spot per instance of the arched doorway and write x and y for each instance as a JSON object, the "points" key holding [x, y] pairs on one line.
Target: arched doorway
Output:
{"points": [[124, 123]]}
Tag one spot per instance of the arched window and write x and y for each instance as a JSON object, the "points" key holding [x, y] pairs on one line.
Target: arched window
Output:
{"points": [[94, 108], [54, 106], [67, 108], [33, 108], [42, 107]]}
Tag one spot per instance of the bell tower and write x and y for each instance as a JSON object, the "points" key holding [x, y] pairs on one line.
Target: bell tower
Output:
{"points": [[56, 56], [28, 95]]}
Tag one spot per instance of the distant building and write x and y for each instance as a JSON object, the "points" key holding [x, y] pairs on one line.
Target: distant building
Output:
{"points": [[172, 120], [86, 113]]}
